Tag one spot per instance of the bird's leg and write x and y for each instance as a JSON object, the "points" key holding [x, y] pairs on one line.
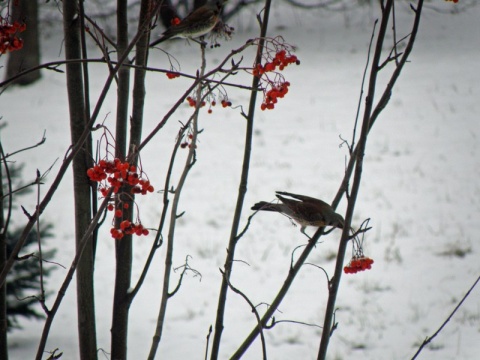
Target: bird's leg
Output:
{"points": [[302, 230], [201, 41]]}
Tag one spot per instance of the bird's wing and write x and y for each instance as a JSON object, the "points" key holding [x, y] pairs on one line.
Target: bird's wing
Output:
{"points": [[202, 14], [304, 198], [286, 201]]}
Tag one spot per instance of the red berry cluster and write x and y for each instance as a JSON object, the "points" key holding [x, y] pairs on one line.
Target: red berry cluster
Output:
{"points": [[225, 103], [278, 56], [271, 96], [118, 213], [128, 228], [117, 173], [172, 75], [212, 104], [280, 60], [358, 263], [193, 102], [114, 174], [8, 35], [188, 142]]}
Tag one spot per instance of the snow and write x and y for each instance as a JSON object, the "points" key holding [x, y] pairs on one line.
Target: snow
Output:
{"points": [[420, 188]]}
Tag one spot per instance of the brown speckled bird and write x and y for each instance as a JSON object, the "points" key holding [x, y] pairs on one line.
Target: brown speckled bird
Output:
{"points": [[198, 23], [305, 210]]}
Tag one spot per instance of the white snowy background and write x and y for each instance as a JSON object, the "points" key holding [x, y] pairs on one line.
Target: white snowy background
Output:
{"points": [[420, 188]]}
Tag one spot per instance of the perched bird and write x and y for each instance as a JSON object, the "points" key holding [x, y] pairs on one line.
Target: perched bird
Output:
{"points": [[305, 210], [198, 23]]}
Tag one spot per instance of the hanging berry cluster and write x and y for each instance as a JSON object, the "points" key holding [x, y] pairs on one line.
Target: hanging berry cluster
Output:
{"points": [[280, 60], [188, 142], [115, 174], [9, 41], [357, 264], [193, 102], [128, 228], [271, 96], [172, 75], [278, 56], [210, 99]]}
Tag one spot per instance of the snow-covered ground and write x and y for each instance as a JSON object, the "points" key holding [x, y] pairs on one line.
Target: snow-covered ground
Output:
{"points": [[420, 188]]}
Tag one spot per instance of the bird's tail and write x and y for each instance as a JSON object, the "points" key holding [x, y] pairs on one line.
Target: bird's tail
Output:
{"points": [[263, 205], [158, 41]]}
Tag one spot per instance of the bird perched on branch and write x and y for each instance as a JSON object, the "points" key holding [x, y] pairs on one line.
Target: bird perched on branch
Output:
{"points": [[198, 23], [305, 210]]}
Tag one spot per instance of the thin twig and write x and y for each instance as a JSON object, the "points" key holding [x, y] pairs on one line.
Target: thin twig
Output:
{"points": [[41, 142], [430, 338], [382, 103], [360, 97], [210, 329], [242, 190], [186, 267], [10, 194], [321, 268], [189, 162], [275, 322], [38, 181], [40, 254], [157, 242], [254, 310], [68, 278]]}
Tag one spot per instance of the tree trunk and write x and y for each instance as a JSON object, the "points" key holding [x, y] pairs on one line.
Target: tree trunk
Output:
{"points": [[123, 247], [82, 196], [29, 56], [3, 289]]}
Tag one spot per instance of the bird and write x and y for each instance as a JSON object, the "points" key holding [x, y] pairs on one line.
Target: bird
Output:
{"points": [[198, 23], [305, 210]]}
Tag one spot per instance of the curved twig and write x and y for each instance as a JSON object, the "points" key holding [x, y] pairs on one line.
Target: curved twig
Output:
{"points": [[254, 310]]}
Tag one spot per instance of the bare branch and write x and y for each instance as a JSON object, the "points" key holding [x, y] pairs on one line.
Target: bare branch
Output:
{"points": [[210, 329], [190, 160], [38, 181], [41, 142], [360, 97], [321, 268], [241, 192], [430, 338], [186, 267], [254, 310], [275, 322]]}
